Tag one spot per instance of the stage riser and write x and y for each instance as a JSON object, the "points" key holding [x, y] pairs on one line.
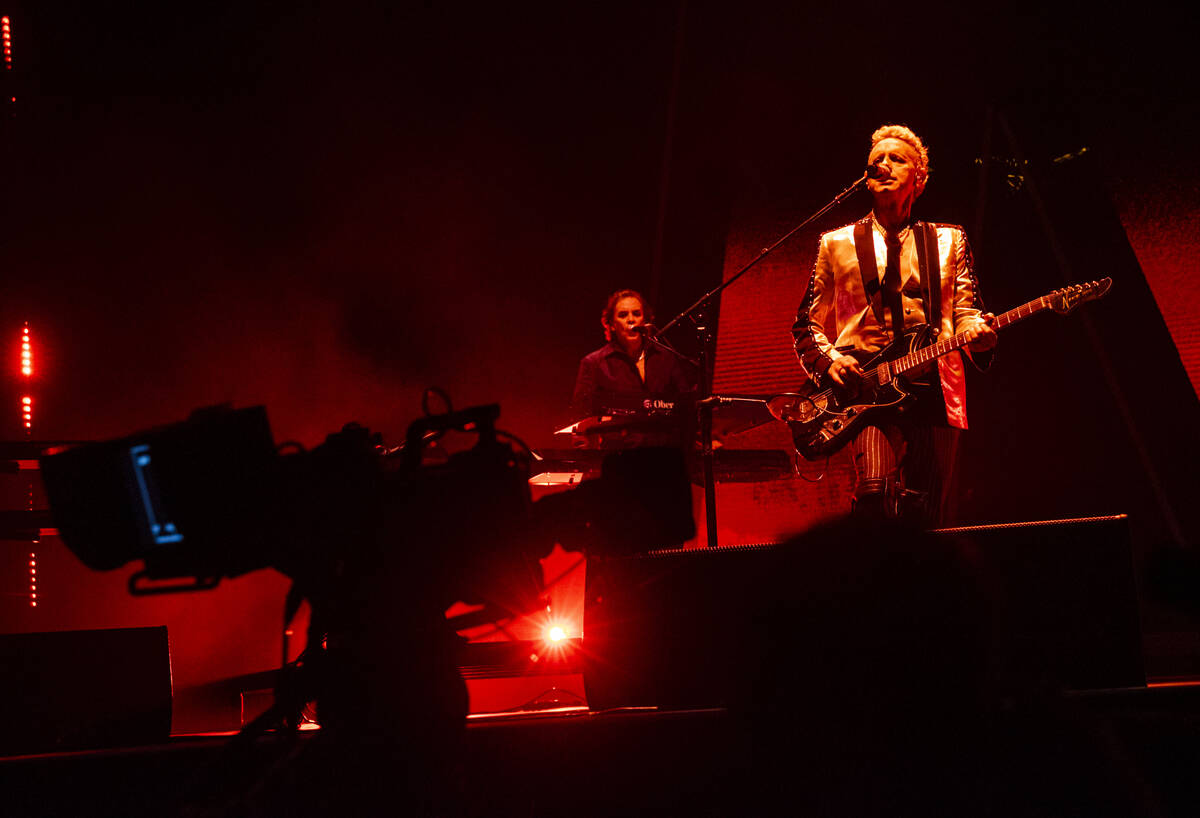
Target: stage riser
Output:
{"points": [[670, 630]]}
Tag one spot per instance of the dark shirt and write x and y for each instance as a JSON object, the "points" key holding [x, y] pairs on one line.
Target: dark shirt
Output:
{"points": [[610, 372]]}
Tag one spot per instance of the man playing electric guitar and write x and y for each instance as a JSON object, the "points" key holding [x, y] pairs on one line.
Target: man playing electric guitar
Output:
{"points": [[874, 281]]}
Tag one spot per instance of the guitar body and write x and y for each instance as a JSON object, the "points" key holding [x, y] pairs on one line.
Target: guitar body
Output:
{"points": [[822, 421]]}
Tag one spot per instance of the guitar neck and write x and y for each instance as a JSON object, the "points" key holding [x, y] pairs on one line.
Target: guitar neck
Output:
{"points": [[920, 357]]}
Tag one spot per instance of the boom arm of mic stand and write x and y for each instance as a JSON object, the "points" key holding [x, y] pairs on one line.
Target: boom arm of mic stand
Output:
{"points": [[766, 251], [663, 345]]}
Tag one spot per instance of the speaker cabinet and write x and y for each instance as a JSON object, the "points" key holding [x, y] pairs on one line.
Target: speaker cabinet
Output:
{"points": [[72, 690], [662, 629], [669, 629], [1069, 598]]}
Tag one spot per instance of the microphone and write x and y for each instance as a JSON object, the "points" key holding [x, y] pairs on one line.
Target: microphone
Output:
{"points": [[874, 172], [649, 330]]}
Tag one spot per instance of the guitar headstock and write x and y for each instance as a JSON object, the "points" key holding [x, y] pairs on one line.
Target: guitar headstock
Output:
{"points": [[1066, 299]]}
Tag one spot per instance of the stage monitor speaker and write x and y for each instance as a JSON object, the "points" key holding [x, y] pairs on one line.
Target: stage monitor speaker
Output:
{"points": [[663, 629], [1069, 596], [667, 629], [72, 690]]}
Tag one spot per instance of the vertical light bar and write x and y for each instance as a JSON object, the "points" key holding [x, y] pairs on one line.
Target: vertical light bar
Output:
{"points": [[6, 31], [33, 583], [27, 376], [26, 352], [27, 419]]}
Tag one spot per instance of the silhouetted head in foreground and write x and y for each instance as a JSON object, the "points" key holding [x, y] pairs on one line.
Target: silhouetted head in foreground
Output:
{"points": [[870, 622], [875, 685]]}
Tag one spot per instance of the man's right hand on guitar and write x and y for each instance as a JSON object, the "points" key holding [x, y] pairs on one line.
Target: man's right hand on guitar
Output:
{"points": [[845, 371]]}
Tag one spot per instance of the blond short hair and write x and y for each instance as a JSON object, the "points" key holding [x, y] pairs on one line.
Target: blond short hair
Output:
{"points": [[905, 134]]}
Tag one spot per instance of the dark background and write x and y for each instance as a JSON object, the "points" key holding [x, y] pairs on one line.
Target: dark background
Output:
{"points": [[328, 207]]}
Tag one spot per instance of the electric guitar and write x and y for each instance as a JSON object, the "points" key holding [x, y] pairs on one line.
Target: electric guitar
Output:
{"points": [[824, 420]]}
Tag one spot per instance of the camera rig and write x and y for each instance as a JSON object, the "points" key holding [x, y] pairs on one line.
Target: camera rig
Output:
{"points": [[378, 540]]}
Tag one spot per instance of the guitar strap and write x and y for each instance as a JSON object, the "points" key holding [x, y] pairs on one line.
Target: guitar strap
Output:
{"points": [[929, 263]]}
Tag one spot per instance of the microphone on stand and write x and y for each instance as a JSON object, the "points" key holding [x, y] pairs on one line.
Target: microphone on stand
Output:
{"points": [[649, 330], [874, 172]]}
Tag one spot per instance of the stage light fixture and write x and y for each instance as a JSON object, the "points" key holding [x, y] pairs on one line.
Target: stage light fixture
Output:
{"points": [[555, 635]]}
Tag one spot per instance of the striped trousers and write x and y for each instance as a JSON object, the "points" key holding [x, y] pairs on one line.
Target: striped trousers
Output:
{"points": [[905, 469]]}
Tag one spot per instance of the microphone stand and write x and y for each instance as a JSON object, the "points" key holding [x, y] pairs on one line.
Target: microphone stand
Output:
{"points": [[697, 314], [651, 337]]}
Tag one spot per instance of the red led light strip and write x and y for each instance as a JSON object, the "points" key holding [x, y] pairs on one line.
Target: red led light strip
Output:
{"points": [[27, 374], [27, 422], [26, 352], [6, 30]]}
